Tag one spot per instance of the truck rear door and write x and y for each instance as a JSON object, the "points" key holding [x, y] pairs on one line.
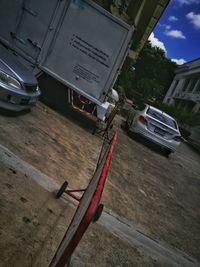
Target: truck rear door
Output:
{"points": [[88, 50], [75, 41], [27, 23]]}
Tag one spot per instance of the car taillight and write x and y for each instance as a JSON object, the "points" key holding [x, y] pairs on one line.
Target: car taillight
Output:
{"points": [[178, 138], [143, 120]]}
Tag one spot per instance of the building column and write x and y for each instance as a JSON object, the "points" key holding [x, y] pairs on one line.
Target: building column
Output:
{"points": [[170, 90], [196, 86], [180, 87], [188, 86], [174, 89]]}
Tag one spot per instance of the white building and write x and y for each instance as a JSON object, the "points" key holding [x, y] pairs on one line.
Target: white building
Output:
{"points": [[184, 91]]}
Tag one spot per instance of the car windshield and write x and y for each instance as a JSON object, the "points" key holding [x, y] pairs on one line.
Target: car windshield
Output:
{"points": [[162, 117]]}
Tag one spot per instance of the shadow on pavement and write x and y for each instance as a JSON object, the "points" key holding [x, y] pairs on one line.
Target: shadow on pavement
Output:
{"points": [[147, 143], [10, 113]]}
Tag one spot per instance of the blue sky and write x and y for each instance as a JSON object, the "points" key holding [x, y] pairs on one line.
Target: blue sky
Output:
{"points": [[178, 31]]}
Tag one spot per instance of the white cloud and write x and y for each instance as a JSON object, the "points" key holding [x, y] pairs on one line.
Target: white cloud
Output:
{"points": [[168, 27], [165, 26], [187, 2], [156, 43], [179, 61], [172, 18], [175, 34], [194, 19]]}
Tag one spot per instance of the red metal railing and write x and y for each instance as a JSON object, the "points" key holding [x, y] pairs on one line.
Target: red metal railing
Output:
{"points": [[88, 204]]}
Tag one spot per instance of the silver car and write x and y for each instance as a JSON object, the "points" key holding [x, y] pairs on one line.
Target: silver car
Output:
{"points": [[18, 87], [156, 126]]}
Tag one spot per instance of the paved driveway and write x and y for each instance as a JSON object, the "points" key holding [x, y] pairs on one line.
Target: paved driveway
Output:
{"points": [[156, 196]]}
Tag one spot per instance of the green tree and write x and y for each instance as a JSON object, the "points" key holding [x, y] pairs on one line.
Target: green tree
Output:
{"points": [[152, 76]]}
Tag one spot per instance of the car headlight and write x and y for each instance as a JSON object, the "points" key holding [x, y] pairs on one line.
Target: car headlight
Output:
{"points": [[7, 79]]}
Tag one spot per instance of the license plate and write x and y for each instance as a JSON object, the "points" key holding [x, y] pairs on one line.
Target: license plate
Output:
{"points": [[159, 131]]}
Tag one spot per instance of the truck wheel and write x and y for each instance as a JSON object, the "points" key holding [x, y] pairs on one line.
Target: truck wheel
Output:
{"points": [[98, 212], [62, 189]]}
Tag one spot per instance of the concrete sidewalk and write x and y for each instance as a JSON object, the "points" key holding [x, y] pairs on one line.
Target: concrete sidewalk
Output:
{"points": [[32, 221]]}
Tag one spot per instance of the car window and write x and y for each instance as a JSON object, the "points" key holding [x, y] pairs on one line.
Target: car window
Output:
{"points": [[162, 117]]}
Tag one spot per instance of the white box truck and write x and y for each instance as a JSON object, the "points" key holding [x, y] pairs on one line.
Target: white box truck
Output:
{"points": [[77, 42]]}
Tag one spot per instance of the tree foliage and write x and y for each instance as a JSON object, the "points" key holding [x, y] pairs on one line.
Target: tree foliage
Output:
{"points": [[183, 117], [152, 76]]}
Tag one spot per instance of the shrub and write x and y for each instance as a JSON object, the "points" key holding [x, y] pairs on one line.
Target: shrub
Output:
{"points": [[184, 118]]}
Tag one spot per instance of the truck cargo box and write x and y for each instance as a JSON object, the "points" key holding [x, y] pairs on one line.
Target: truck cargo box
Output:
{"points": [[76, 42]]}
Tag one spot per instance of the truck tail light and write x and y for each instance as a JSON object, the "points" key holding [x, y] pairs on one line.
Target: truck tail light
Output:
{"points": [[143, 120]]}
